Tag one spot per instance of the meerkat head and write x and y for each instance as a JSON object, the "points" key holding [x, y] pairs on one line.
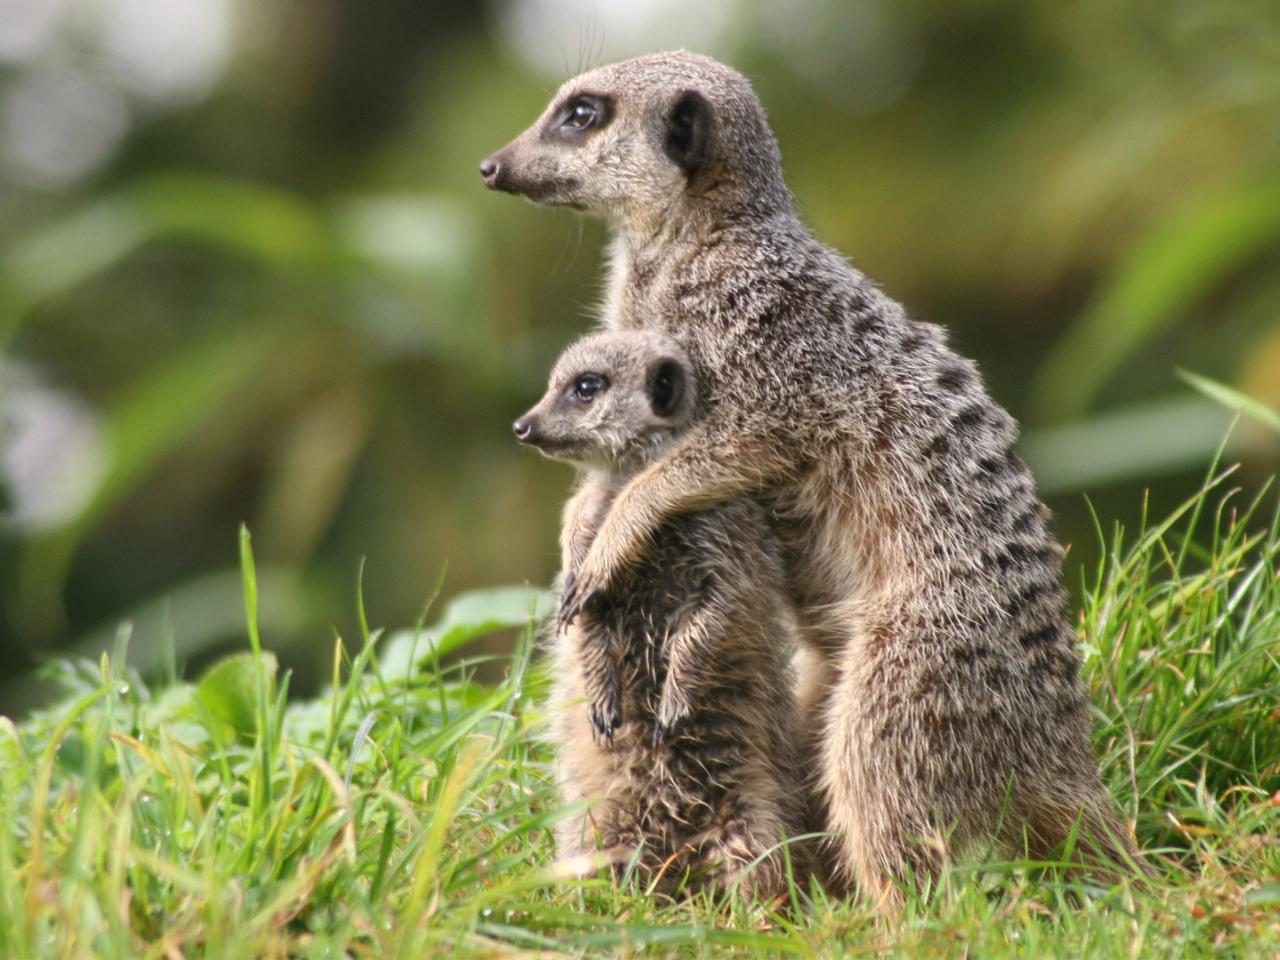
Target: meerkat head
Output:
{"points": [[615, 401], [645, 139]]}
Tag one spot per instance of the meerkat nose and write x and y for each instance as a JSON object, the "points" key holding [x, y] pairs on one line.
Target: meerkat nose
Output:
{"points": [[489, 169], [523, 429]]}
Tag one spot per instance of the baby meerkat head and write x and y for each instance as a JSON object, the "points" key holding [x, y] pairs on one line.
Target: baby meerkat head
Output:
{"points": [[641, 140], [615, 401]]}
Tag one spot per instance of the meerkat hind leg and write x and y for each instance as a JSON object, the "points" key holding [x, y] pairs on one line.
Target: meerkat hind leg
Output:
{"points": [[1084, 829], [689, 648]]}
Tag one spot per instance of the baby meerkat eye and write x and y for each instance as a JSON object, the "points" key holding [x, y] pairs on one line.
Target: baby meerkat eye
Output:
{"points": [[587, 386]]}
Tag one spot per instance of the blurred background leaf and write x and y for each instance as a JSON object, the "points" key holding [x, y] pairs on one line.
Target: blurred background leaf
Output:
{"points": [[1167, 272], [475, 614], [1233, 399], [248, 274]]}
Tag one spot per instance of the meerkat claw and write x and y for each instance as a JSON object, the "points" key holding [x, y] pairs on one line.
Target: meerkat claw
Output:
{"points": [[570, 607], [568, 611], [604, 724], [574, 600]]}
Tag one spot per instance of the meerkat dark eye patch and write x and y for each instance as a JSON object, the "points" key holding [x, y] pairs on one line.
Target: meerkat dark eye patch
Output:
{"points": [[666, 388], [688, 132], [579, 116]]}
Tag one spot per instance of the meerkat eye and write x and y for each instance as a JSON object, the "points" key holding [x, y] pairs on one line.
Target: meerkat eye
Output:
{"points": [[587, 386], [581, 115], [585, 113]]}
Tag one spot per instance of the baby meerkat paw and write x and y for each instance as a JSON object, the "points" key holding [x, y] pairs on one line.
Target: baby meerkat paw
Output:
{"points": [[606, 717]]}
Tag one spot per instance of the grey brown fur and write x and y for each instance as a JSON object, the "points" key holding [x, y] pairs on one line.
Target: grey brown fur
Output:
{"points": [[950, 708], [684, 661]]}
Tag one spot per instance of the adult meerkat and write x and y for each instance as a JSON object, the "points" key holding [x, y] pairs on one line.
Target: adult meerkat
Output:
{"points": [[917, 549], [691, 739]]}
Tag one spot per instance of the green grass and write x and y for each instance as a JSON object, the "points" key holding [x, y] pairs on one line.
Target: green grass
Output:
{"points": [[405, 811]]}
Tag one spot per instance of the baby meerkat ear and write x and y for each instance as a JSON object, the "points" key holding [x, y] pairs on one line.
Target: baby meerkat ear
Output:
{"points": [[688, 132], [666, 387]]}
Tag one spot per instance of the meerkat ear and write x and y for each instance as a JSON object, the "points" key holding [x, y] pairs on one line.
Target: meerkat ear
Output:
{"points": [[666, 387], [688, 132]]}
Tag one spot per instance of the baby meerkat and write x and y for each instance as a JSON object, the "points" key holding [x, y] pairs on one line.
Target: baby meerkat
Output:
{"points": [[919, 556], [691, 742]]}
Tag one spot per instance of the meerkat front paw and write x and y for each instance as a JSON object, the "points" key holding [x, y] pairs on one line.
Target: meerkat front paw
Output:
{"points": [[578, 593]]}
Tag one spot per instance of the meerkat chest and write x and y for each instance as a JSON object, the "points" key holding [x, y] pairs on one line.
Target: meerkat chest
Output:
{"points": [[639, 290], [635, 305]]}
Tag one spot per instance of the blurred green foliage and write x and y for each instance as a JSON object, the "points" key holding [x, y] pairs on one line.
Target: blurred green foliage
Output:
{"points": [[275, 291]]}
